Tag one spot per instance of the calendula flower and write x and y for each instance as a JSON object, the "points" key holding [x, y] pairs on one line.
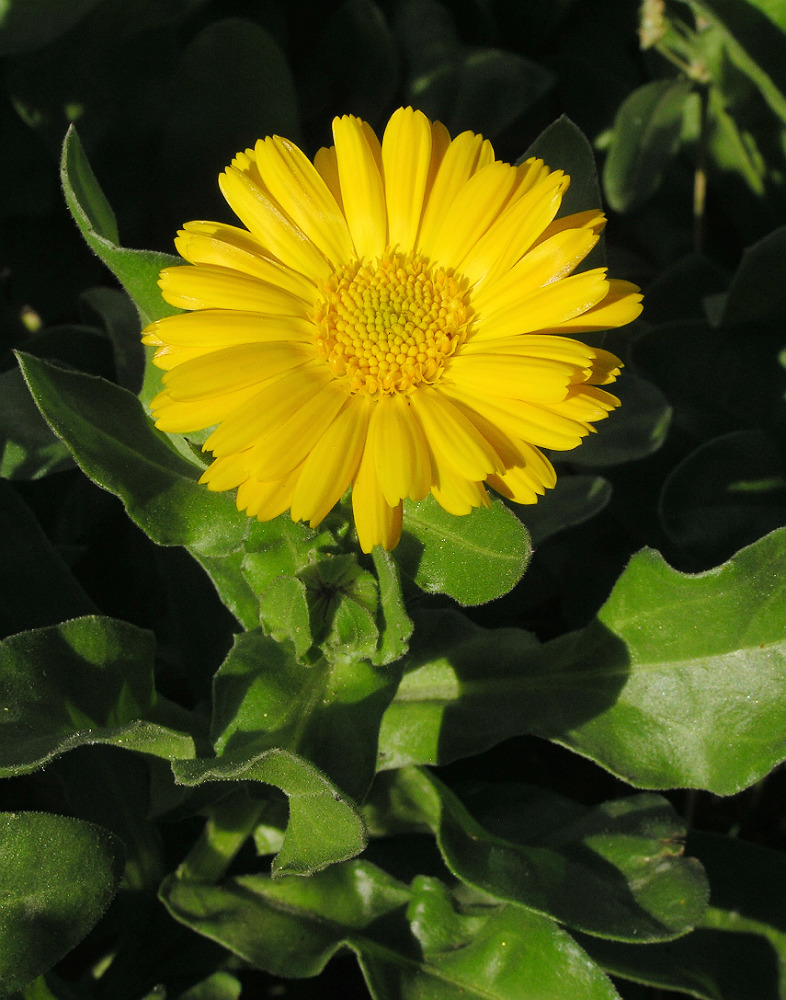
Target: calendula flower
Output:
{"points": [[398, 317]]}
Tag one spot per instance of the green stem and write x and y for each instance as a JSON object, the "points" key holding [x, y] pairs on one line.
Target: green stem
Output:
{"points": [[223, 835]]}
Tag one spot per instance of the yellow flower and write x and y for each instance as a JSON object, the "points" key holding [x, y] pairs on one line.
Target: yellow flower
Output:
{"points": [[393, 317]]}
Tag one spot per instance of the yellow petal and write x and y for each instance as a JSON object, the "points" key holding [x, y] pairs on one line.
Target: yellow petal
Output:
{"points": [[549, 308], [621, 306], [406, 160], [376, 521], [514, 232], [458, 495], [541, 379], [476, 206], [358, 160], [233, 368], [521, 420], [257, 210], [536, 345], [267, 500], [586, 403], [453, 437], [605, 367], [236, 249], [332, 463], [177, 417], [326, 163], [543, 265], [226, 473], [400, 450], [467, 154], [525, 483], [275, 402], [206, 287], [215, 328], [593, 219], [297, 186], [286, 443]]}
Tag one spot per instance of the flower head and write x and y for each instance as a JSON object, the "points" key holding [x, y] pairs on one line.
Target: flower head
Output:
{"points": [[398, 317]]}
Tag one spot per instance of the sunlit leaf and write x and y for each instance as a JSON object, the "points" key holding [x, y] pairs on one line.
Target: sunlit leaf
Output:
{"points": [[703, 696], [680, 682], [473, 559]]}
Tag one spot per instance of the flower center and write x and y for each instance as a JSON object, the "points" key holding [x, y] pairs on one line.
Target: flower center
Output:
{"points": [[390, 323]]}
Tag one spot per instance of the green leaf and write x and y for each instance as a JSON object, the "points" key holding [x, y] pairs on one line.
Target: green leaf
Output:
{"points": [[409, 942], [646, 138], [473, 559], [725, 494], [37, 586], [28, 448], [281, 547], [739, 949], [467, 688], [59, 875], [702, 701], [89, 680], [615, 871], [137, 270], [680, 682], [28, 25], [116, 445], [731, 148], [328, 712], [324, 826], [635, 430]]}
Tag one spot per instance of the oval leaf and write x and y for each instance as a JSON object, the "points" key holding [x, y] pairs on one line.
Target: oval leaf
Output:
{"points": [[646, 138], [59, 875], [474, 559]]}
